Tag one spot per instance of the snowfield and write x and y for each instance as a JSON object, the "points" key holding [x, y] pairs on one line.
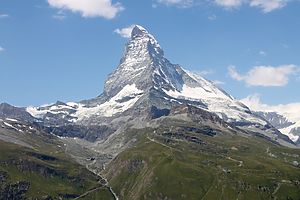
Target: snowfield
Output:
{"points": [[121, 102]]}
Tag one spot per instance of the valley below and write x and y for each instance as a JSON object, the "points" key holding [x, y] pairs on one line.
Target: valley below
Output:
{"points": [[176, 160]]}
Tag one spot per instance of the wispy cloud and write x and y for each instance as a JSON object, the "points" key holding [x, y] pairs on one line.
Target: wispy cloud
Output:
{"points": [[1, 49], [60, 15], [229, 4], [212, 17], [265, 6], [266, 76], [205, 72], [268, 5], [89, 8], [217, 82], [2, 16], [177, 3], [125, 32], [262, 53]]}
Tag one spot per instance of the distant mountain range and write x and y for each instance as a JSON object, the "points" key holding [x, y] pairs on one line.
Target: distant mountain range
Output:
{"points": [[285, 118]]}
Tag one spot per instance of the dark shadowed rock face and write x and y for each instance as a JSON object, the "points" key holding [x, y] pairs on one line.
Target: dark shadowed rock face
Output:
{"points": [[8, 111], [157, 113], [90, 133]]}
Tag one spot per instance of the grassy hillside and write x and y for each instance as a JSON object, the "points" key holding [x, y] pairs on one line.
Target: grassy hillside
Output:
{"points": [[26, 173], [175, 163]]}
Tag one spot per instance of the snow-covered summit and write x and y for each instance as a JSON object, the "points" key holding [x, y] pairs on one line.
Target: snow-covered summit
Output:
{"points": [[144, 65], [141, 54], [138, 31]]}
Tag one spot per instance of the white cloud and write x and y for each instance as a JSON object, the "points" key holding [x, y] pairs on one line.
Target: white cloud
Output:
{"points": [[89, 8], [2, 16], [1, 49], [234, 74], [268, 5], [229, 3], [178, 3], [266, 76], [125, 32]]}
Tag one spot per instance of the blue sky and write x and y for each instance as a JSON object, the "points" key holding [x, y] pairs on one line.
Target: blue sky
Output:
{"points": [[64, 49]]}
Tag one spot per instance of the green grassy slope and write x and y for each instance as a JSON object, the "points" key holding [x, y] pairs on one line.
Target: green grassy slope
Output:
{"points": [[27, 173], [226, 166]]}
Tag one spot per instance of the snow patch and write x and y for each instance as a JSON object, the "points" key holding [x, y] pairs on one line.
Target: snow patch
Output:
{"points": [[35, 112], [9, 125], [113, 106], [12, 120], [217, 102], [40, 112], [192, 93]]}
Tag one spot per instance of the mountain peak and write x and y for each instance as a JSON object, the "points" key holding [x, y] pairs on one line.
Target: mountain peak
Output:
{"points": [[142, 40], [138, 31], [144, 65]]}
